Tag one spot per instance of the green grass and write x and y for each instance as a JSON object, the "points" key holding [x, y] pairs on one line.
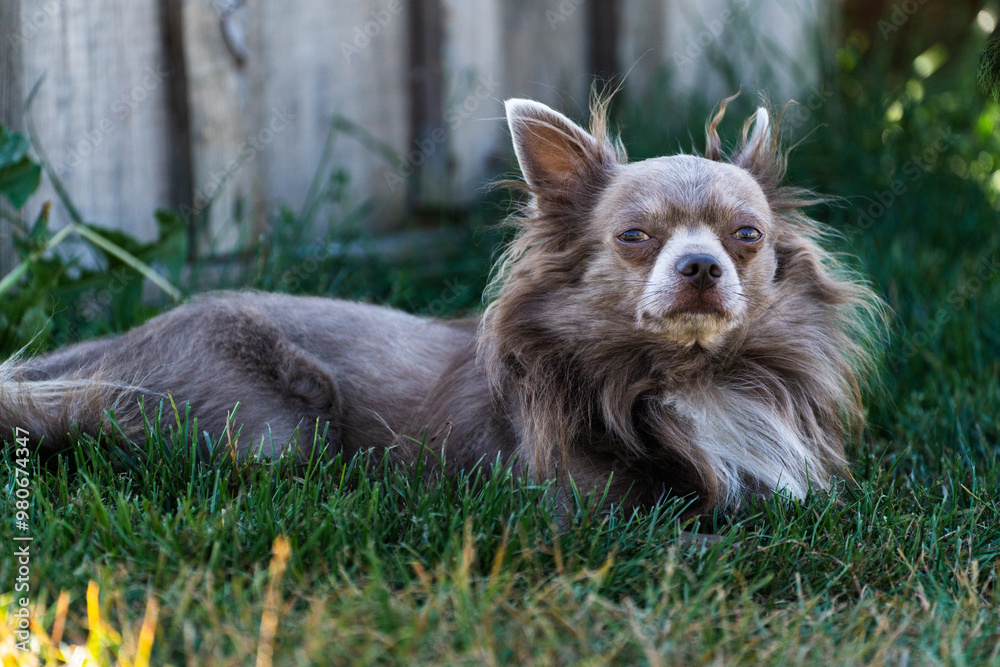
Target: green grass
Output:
{"points": [[387, 566], [357, 561]]}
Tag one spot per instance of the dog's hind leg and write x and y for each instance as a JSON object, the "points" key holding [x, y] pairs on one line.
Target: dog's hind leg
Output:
{"points": [[238, 357], [295, 403], [211, 356]]}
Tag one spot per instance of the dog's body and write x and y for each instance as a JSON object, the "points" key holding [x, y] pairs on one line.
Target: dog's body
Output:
{"points": [[669, 325]]}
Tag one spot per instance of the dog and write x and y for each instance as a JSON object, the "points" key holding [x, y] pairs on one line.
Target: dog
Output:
{"points": [[665, 328]]}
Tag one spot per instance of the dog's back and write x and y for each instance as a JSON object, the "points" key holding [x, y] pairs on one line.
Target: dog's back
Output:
{"points": [[292, 364]]}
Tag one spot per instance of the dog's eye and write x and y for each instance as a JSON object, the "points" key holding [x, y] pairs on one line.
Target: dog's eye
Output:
{"points": [[633, 236], [747, 234]]}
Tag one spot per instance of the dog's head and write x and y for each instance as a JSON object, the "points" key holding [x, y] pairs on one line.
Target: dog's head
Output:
{"points": [[680, 311], [680, 307], [683, 247]]}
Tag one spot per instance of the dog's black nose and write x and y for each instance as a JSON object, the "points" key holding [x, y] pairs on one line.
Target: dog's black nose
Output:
{"points": [[702, 270]]}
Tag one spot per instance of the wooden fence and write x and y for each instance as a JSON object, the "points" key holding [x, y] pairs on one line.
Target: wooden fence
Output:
{"points": [[185, 103]]}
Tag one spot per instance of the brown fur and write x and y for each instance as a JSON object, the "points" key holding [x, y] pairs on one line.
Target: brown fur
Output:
{"points": [[594, 360]]}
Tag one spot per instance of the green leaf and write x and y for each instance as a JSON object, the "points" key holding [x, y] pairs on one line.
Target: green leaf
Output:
{"points": [[20, 176], [19, 181], [96, 236], [40, 230], [170, 248], [13, 147]]}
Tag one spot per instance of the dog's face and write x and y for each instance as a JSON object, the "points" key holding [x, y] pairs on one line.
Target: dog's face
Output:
{"points": [[685, 245], [689, 242]]}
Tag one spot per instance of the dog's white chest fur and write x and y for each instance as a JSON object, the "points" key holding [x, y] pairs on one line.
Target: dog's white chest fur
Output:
{"points": [[750, 446]]}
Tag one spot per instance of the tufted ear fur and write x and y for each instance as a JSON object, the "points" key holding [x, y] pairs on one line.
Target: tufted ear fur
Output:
{"points": [[760, 139], [558, 158], [759, 154]]}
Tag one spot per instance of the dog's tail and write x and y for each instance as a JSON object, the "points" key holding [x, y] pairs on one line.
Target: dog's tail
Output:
{"points": [[49, 412]]}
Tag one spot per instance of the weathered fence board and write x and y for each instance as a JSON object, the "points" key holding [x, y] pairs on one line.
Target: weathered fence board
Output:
{"points": [[494, 49], [545, 52], [11, 105], [640, 46], [763, 42], [317, 60], [183, 103], [216, 106], [102, 110], [474, 72]]}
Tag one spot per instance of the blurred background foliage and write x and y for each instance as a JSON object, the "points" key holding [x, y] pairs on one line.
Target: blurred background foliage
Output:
{"points": [[895, 131]]}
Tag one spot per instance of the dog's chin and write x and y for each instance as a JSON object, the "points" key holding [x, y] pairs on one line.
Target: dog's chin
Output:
{"points": [[699, 324]]}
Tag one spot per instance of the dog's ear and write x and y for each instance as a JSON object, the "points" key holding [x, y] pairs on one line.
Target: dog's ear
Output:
{"points": [[554, 153], [759, 154]]}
